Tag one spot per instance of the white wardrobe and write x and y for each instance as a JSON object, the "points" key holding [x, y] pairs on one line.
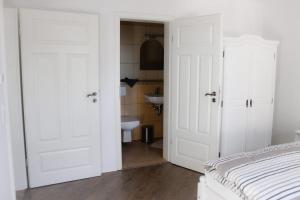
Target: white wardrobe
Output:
{"points": [[248, 93]]}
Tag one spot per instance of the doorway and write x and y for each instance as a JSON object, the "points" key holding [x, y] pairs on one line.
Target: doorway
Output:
{"points": [[141, 93]]}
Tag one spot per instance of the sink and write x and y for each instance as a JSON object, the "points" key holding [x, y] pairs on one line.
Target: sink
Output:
{"points": [[155, 98]]}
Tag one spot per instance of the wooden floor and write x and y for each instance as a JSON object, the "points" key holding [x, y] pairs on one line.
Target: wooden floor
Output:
{"points": [[161, 182], [138, 154]]}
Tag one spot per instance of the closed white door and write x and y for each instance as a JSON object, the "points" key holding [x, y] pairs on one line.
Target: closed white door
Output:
{"points": [[195, 107], [59, 69], [235, 98], [261, 93]]}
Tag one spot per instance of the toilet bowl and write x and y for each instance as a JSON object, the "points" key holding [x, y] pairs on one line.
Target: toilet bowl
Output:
{"points": [[128, 123]]}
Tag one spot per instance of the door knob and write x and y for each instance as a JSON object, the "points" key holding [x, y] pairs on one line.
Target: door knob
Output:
{"points": [[213, 94], [91, 94]]}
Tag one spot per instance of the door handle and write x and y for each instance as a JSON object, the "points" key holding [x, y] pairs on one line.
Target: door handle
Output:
{"points": [[250, 102], [247, 103], [91, 94], [213, 94]]}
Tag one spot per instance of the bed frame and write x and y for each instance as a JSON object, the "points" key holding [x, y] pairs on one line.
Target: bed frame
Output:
{"points": [[210, 189]]}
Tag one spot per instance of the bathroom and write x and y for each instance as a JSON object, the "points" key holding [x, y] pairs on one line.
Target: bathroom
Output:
{"points": [[141, 93]]}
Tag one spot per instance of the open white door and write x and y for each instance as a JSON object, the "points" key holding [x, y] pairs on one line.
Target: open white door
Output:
{"points": [[196, 76], [59, 69]]}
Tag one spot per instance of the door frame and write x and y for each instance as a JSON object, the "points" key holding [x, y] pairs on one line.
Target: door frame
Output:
{"points": [[167, 78]]}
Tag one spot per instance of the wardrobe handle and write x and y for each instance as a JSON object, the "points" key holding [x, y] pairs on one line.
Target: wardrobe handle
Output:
{"points": [[251, 103], [247, 103]]}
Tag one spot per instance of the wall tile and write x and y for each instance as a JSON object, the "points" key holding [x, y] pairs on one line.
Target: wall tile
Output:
{"points": [[126, 55], [136, 54], [127, 71], [132, 37], [127, 34], [139, 34], [136, 135], [131, 95], [155, 30]]}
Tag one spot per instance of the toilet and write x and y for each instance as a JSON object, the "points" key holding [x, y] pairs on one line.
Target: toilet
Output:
{"points": [[128, 123]]}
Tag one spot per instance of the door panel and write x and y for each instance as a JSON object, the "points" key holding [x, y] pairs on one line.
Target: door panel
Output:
{"points": [[195, 71], [235, 95], [262, 92], [59, 68]]}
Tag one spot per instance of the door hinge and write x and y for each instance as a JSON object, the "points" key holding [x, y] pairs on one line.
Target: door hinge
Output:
{"points": [[172, 38], [222, 103], [272, 100], [219, 154], [223, 54]]}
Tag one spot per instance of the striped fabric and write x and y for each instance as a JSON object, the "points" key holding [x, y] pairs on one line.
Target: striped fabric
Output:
{"points": [[272, 173]]}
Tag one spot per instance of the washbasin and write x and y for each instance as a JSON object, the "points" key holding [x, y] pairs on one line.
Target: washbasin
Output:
{"points": [[154, 98]]}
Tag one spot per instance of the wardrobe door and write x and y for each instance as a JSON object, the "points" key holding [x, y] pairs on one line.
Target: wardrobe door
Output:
{"points": [[260, 116], [235, 95]]}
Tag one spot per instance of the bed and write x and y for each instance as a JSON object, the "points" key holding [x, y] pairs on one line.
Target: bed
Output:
{"points": [[271, 173]]}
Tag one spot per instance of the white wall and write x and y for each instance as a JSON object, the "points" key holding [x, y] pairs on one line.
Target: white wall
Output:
{"points": [[14, 96], [7, 190], [281, 22], [240, 16]]}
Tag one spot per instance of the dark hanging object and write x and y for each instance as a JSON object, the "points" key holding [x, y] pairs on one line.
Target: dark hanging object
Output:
{"points": [[152, 55], [130, 82]]}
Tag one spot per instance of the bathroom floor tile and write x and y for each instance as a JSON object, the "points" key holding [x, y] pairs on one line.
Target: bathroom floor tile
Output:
{"points": [[138, 154]]}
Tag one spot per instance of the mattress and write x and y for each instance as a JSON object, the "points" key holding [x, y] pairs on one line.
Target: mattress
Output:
{"points": [[271, 173]]}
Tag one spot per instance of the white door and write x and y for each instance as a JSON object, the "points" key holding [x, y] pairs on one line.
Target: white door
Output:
{"points": [[235, 97], [195, 73], [261, 93], [59, 69]]}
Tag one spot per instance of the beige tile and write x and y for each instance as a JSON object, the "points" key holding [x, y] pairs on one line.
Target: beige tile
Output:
{"points": [[152, 75], [130, 110], [158, 132], [149, 113], [160, 75], [126, 54], [122, 99], [131, 95], [155, 29], [136, 54], [136, 135], [126, 34], [127, 70], [141, 74], [122, 110], [139, 34]]}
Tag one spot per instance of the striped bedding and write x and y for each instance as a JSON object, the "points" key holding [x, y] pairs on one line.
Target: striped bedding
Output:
{"points": [[272, 173]]}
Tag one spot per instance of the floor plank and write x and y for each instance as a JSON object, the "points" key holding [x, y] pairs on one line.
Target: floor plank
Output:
{"points": [[161, 182], [138, 154]]}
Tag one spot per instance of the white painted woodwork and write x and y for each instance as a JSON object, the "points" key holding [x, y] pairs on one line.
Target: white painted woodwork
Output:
{"points": [[14, 97], [195, 71], [249, 77], [7, 187], [59, 68]]}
